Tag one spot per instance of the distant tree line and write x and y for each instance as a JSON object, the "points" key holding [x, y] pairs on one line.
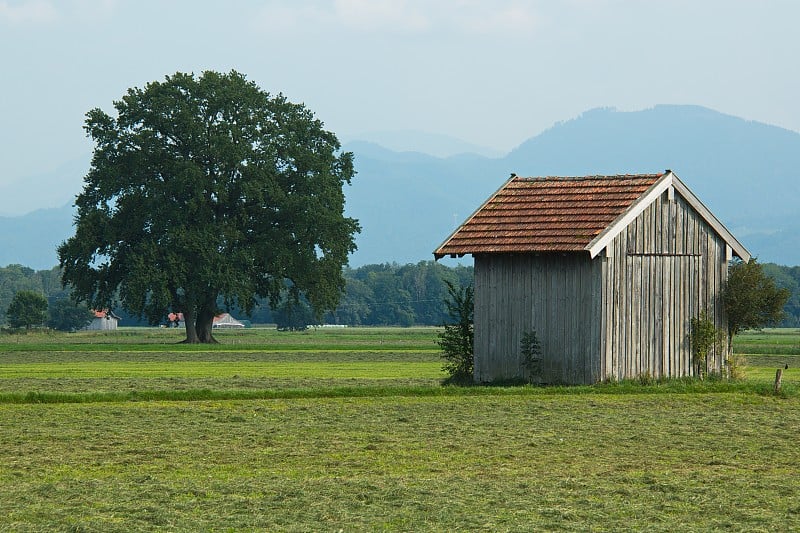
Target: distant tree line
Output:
{"points": [[788, 278], [17, 278], [375, 295], [386, 294], [30, 298]]}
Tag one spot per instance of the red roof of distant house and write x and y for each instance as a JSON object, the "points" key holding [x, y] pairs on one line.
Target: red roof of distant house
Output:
{"points": [[550, 214], [104, 313]]}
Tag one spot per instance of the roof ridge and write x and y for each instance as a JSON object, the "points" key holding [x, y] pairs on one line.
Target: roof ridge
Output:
{"points": [[589, 177]]}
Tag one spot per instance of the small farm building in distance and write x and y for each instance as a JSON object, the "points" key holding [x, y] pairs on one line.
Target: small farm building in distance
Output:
{"points": [[103, 320], [608, 271], [226, 321]]}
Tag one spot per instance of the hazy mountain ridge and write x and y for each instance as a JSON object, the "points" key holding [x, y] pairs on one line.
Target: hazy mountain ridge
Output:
{"points": [[744, 171], [721, 157], [51, 189], [31, 239], [435, 144], [408, 202]]}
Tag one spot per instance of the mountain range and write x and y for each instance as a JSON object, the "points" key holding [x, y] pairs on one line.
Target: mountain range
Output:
{"points": [[408, 202], [745, 172]]}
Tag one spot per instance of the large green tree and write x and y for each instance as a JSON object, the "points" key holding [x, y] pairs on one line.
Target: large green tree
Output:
{"points": [[27, 309], [751, 298], [207, 189]]}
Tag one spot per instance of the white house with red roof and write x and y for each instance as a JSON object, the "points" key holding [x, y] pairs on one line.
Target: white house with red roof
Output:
{"points": [[103, 320]]}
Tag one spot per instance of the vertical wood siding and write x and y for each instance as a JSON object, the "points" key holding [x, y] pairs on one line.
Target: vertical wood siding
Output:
{"points": [[620, 316], [557, 295], [664, 269]]}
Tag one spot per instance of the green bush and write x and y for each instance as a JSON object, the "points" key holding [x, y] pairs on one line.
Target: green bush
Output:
{"points": [[751, 298], [531, 350], [457, 339], [706, 340]]}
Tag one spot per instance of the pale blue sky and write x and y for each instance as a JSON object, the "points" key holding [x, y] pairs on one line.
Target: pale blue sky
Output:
{"points": [[492, 73]]}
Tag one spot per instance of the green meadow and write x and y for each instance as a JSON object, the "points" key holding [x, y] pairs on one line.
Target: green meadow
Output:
{"points": [[351, 429]]}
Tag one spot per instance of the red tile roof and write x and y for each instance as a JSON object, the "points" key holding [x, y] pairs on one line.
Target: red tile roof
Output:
{"points": [[549, 214]]}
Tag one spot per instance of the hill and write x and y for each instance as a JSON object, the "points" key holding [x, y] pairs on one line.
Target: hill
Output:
{"points": [[420, 141], [56, 187], [409, 201], [744, 171], [31, 239]]}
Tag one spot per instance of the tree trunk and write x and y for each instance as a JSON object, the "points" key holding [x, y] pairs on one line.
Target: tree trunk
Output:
{"points": [[198, 316], [191, 329], [198, 326], [205, 321]]}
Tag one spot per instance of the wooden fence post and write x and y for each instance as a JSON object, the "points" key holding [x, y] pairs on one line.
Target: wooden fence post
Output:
{"points": [[778, 379]]}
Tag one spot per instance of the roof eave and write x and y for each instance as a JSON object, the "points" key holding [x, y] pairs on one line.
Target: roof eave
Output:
{"points": [[437, 255]]}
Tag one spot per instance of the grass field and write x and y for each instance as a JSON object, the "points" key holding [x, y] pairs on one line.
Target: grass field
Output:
{"points": [[351, 430]]}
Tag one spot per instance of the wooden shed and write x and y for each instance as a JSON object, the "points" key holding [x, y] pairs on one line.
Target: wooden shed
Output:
{"points": [[104, 320], [608, 271], [226, 321]]}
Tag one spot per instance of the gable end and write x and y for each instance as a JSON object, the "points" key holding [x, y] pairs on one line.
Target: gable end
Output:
{"points": [[668, 182]]}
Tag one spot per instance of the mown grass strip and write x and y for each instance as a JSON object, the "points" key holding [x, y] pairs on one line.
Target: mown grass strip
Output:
{"points": [[769, 349], [194, 348], [28, 358], [129, 369], [680, 387], [260, 338]]}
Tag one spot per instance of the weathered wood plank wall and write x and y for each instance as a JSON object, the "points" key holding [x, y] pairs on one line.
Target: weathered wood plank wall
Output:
{"points": [[557, 295], [620, 316], [663, 269]]}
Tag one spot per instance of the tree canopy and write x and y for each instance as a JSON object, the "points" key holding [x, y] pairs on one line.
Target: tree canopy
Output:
{"points": [[65, 315], [27, 309], [206, 188], [751, 298], [15, 278], [787, 277]]}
